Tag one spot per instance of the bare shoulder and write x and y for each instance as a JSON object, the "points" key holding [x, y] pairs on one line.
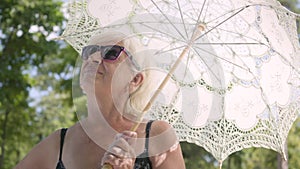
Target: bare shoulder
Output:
{"points": [[164, 147], [159, 127], [43, 155], [162, 137]]}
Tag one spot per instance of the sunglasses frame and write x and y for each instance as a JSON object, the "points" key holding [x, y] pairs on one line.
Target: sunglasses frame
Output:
{"points": [[101, 49]]}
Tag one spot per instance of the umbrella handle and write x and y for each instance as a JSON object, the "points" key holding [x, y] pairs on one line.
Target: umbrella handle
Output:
{"points": [[107, 166]]}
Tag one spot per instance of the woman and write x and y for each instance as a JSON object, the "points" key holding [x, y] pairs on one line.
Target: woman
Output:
{"points": [[117, 86]]}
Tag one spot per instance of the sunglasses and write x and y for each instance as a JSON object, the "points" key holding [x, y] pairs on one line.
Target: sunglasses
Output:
{"points": [[108, 53]]}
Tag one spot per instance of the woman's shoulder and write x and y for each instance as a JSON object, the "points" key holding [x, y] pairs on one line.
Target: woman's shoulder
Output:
{"points": [[164, 147], [159, 127], [44, 154], [162, 136]]}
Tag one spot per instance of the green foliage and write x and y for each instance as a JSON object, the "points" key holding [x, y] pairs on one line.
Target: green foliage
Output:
{"points": [[293, 145], [197, 157], [252, 159], [25, 121], [21, 49], [291, 5]]}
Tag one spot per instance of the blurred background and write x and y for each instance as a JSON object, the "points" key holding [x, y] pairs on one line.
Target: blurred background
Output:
{"points": [[36, 88]]}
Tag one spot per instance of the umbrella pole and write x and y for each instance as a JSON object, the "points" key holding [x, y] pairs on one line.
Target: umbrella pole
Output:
{"points": [[152, 99], [161, 86], [201, 27]]}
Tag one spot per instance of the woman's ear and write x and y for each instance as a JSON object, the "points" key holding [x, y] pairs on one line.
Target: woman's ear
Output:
{"points": [[136, 82]]}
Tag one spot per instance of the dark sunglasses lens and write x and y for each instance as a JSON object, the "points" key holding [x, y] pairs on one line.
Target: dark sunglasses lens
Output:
{"points": [[89, 50], [111, 53]]}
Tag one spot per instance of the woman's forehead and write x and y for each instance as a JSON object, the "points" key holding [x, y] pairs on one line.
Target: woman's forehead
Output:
{"points": [[107, 39], [104, 43]]}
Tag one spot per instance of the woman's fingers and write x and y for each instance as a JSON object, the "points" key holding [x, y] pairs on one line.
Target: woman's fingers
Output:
{"points": [[121, 152], [121, 148], [119, 163], [129, 136], [113, 160], [123, 144]]}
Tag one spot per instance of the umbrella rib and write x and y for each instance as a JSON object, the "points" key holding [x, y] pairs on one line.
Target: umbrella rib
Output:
{"points": [[249, 70], [169, 50], [228, 12], [220, 58], [250, 43], [205, 10], [221, 23], [186, 67], [190, 17], [251, 5], [181, 16], [168, 19], [243, 36], [164, 33], [116, 25], [207, 65], [196, 27], [157, 30], [202, 8], [287, 61], [263, 94]]}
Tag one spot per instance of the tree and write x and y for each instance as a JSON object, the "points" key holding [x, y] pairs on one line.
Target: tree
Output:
{"points": [[55, 108], [197, 157], [25, 26]]}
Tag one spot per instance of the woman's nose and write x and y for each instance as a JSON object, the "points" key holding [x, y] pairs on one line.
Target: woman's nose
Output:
{"points": [[96, 58]]}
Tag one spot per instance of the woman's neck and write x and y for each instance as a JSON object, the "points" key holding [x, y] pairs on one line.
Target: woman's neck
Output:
{"points": [[107, 117]]}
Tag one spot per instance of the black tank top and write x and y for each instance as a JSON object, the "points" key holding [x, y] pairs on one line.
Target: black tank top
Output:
{"points": [[60, 164], [141, 162]]}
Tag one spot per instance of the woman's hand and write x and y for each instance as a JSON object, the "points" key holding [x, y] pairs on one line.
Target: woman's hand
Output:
{"points": [[120, 153]]}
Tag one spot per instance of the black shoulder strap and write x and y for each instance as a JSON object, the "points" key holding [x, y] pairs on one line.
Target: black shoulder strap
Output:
{"points": [[148, 127], [62, 139]]}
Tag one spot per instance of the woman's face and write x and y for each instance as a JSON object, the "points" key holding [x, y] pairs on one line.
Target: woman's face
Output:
{"points": [[107, 80]]}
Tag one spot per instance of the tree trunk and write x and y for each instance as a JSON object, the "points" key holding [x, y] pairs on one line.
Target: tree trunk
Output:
{"points": [[283, 163], [3, 138]]}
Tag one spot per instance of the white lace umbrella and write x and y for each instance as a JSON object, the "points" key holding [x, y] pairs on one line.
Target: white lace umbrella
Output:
{"points": [[238, 82]]}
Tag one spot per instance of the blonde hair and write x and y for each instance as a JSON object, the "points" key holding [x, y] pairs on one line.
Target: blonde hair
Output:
{"points": [[138, 99]]}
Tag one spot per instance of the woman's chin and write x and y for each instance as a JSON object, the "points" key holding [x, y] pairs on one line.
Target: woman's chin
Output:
{"points": [[88, 86]]}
